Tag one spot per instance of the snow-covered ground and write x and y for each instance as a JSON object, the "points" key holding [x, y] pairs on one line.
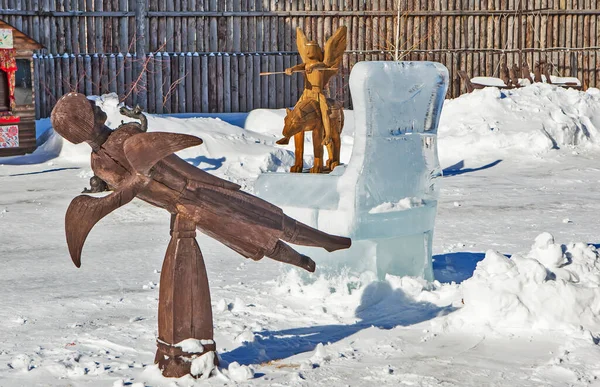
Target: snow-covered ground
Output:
{"points": [[522, 178]]}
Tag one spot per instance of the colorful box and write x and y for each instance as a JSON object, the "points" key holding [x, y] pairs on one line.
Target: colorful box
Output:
{"points": [[6, 38], [9, 136]]}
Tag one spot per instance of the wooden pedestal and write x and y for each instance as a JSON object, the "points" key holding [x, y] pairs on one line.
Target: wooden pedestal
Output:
{"points": [[184, 309]]}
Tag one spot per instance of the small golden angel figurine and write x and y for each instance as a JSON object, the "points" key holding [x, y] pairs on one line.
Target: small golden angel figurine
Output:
{"points": [[318, 67]]}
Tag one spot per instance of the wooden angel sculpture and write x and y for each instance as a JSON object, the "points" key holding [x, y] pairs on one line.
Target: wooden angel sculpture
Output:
{"points": [[314, 111], [141, 164]]}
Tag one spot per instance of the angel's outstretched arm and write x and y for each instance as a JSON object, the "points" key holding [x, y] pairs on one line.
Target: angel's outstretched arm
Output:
{"points": [[298, 67]]}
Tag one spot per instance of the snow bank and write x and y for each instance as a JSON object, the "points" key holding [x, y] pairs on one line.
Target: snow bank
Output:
{"points": [[487, 122], [554, 287], [530, 120]]}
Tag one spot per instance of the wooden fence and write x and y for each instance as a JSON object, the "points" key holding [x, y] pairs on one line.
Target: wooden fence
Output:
{"points": [[474, 35], [184, 82]]}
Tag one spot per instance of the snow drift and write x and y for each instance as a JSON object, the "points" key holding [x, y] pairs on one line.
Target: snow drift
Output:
{"points": [[530, 121]]}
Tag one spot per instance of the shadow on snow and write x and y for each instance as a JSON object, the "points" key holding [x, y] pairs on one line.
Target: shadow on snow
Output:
{"points": [[215, 163], [459, 168], [44, 171], [455, 267], [381, 307]]}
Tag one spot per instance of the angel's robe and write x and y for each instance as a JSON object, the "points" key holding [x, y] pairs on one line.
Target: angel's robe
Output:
{"points": [[243, 222]]}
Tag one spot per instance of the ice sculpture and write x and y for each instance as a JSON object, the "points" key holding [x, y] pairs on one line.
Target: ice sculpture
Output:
{"points": [[385, 198]]}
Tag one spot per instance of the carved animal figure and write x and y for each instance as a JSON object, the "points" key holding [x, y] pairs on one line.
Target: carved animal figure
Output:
{"points": [[97, 185], [306, 117]]}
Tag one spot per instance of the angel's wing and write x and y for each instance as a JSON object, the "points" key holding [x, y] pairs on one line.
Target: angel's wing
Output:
{"points": [[335, 47], [301, 41], [334, 52]]}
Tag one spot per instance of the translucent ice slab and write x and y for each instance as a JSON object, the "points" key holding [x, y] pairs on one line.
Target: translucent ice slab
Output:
{"points": [[385, 199]]}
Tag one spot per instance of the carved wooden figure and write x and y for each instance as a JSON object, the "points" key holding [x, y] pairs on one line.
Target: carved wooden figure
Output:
{"points": [[526, 72], [305, 118], [139, 164], [314, 111], [514, 76]]}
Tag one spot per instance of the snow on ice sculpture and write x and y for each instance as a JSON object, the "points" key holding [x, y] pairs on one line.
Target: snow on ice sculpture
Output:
{"points": [[385, 198]]}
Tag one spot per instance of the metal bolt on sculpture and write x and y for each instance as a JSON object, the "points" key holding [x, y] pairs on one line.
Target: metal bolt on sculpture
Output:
{"points": [[314, 111], [135, 163]]}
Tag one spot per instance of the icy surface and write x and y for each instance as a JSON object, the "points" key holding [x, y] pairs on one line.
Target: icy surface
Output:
{"points": [[502, 188], [396, 111]]}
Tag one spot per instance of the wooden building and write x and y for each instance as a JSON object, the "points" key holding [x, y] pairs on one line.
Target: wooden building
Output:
{"points": [[17, 109]]}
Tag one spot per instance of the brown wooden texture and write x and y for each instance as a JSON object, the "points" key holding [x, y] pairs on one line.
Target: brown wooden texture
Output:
{"points": [[314, 111], [137, 164], [184, 309]]}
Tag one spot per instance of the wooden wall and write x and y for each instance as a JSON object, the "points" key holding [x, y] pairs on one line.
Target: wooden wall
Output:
{"points": [[474, 35]]}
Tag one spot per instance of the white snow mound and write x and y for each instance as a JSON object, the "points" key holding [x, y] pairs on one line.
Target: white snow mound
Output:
{"points": [[530, 120], [553, 287]]}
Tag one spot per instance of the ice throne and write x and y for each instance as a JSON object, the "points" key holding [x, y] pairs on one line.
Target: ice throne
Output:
{"points": [[385, 198]]}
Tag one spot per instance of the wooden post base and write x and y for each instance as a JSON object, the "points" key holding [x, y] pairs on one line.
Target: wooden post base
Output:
{"points": [[184, 309]]}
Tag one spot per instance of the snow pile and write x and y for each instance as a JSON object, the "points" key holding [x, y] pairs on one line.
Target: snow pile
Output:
{"points": [[203, 365], [363, 300], [530, 120], [553, 287], [193, 345]]}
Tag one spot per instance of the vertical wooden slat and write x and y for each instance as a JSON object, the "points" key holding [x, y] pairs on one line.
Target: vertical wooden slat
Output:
{"points": [[270, 89], [36, 86], [226, 83], [235, 78], [280, 81], [189, 83], [191, 38], [242, 82], [104, 73], [256, 86], [175, 81], [182, 79], [158, 83], [89, 81], [219, 79], [197, 86], [80, 74], [112, 73], [213, 34], [50, 91], [151, 84], [183, 27], [212, 83], [167, 84], [96, 74], [170, 27], [204, 61], [289, 92], [161, 26], [120, 75], [98, 30]]}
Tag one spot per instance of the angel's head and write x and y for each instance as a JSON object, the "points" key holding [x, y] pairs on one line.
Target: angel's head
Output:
{"points": [[313, 51], [79, 119]]}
